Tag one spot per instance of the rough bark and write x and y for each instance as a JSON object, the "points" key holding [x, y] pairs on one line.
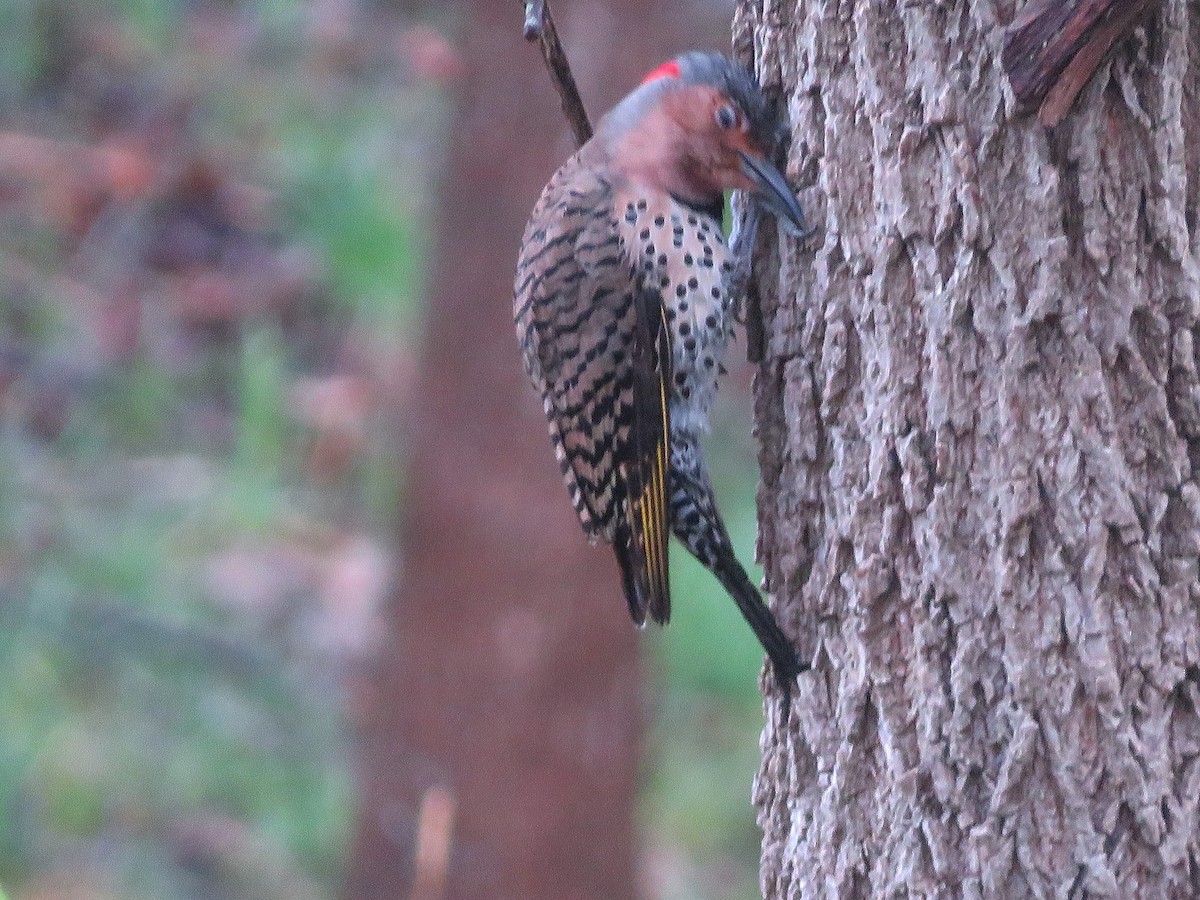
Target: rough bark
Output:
{"points": [[979, 413], [502, 726]]}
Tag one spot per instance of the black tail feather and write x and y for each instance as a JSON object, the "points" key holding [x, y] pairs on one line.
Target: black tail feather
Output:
{"points": [[633, 585], [698, 525], [786, 664]]}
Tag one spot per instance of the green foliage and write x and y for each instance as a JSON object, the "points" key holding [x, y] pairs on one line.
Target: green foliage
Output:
{"points": [[705, 740], [138, 703], [340, 199], [154, 21], [149, 712], [262, 432], [127, 699], [372, 250], [19, 48], [144, 396]]}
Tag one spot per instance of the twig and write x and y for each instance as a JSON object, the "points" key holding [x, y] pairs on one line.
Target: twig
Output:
{"points": [[1054, 48], [535, 13], [1079, 70], [435, 829], [539, 26], [34, 158]]}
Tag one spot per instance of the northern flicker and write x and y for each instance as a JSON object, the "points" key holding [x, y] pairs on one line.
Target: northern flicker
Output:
{"points": [[623, 309]]}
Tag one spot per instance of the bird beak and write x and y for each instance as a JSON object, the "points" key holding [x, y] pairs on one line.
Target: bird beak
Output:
{"points": [[773, 191]]}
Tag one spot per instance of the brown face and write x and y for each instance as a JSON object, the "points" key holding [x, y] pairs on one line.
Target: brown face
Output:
{"points": [[715, 151], [715, 134], [695, 144]]}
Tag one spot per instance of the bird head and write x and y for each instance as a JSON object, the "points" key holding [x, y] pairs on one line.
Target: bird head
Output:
{"points": [[696, 127]]}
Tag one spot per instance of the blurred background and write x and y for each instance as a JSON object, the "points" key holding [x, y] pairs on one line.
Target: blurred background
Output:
{"points": [[266, 453]]}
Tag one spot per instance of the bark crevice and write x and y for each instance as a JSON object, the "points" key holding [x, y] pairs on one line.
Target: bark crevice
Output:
{"points": [[979, 417]]}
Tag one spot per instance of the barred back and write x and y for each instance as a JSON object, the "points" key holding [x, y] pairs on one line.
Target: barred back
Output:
{"points": [[595, 346]]}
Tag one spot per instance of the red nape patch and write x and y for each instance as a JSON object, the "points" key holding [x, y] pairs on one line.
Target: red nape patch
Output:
{"points": [[666, 70]]}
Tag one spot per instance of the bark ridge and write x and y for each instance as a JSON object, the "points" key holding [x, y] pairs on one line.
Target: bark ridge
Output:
{"points": [[979, 413]]}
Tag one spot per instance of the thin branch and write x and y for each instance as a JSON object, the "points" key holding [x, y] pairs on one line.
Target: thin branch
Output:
{"points": [[539, 26], [435, 829], [1054, 48], [535, 13]]}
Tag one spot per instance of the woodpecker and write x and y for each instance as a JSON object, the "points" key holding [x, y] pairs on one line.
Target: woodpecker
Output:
{"points": [[623, 307]]}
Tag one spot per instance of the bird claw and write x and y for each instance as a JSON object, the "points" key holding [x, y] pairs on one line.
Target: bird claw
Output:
{"points": [[743, 234]]}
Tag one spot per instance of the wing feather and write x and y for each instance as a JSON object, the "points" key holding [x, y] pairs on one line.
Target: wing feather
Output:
{"points": [[597, 347], [649, 513]]}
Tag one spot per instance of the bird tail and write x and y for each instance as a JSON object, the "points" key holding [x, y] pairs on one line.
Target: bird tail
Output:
{"points": [[698, 525], [645, 585], [785, 663]]}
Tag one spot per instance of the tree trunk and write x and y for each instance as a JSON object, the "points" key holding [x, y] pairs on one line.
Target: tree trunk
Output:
{"points": [[979, 411], [502, 733]]}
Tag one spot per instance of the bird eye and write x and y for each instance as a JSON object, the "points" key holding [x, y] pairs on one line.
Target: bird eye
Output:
{"points": [[726, 116]]}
